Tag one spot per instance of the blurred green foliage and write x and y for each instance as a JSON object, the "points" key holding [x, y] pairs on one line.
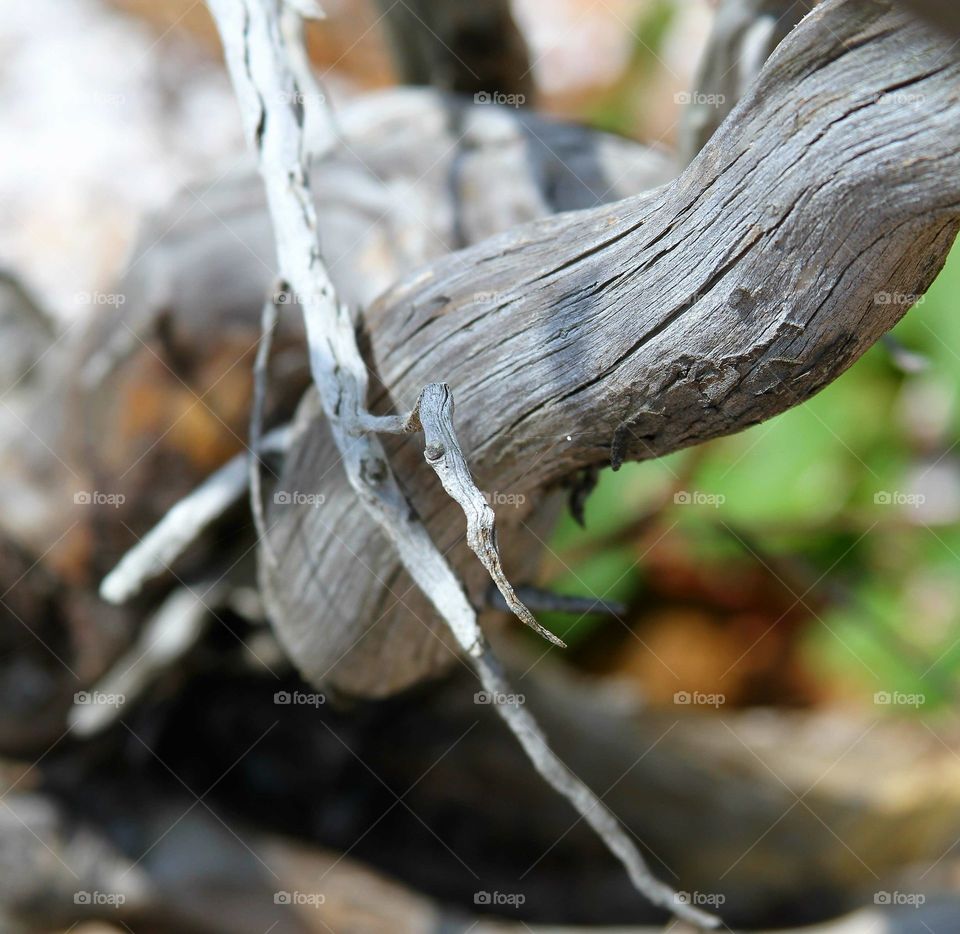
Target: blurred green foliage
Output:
{"points": [[803, 489], [804, 486], [616, 111]]}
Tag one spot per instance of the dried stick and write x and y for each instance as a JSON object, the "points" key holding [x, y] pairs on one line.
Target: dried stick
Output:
{"points": [[320, 130], [157, 551], [443, 454], [263, 79], [260, 373], [433, 415]]}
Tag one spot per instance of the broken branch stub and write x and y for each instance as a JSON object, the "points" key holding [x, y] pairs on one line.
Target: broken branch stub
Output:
{"points": [[443, 454]]}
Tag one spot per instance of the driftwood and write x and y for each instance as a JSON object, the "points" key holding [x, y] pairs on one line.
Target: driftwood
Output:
{"points": [[556, 267], [629, 331]]}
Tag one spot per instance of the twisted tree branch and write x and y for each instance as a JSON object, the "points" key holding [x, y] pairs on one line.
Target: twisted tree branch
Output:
{"points": [[821, 208]]}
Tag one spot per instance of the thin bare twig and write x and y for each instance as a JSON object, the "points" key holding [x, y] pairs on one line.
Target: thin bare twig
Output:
{"points": [[260, 373], [443, 454], [160, 548], [587, 804]]}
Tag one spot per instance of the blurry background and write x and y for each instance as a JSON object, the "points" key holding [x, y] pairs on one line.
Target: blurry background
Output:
{"points": [[811, 562], [109, 107]]}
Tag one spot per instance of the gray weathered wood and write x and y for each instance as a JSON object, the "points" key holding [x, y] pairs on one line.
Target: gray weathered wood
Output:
{"points": [[420, 175], [273, 116], [629, 331]]}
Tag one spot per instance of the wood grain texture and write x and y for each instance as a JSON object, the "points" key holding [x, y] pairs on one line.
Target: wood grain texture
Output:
{"points": [[404, 189], [632, 330], [154, 394], [265, 82]]}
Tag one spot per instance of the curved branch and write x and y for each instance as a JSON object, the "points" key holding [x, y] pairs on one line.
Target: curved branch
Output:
{"points": [[798, 237], [823, 204]]}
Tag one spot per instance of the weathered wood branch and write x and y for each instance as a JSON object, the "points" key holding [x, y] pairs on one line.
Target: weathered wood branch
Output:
{"points": [[161, 380], [444, 455], [273, 116], [825, 202]]}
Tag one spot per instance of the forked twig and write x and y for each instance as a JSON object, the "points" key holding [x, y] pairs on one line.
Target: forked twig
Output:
{"points": [[433, 415]]}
